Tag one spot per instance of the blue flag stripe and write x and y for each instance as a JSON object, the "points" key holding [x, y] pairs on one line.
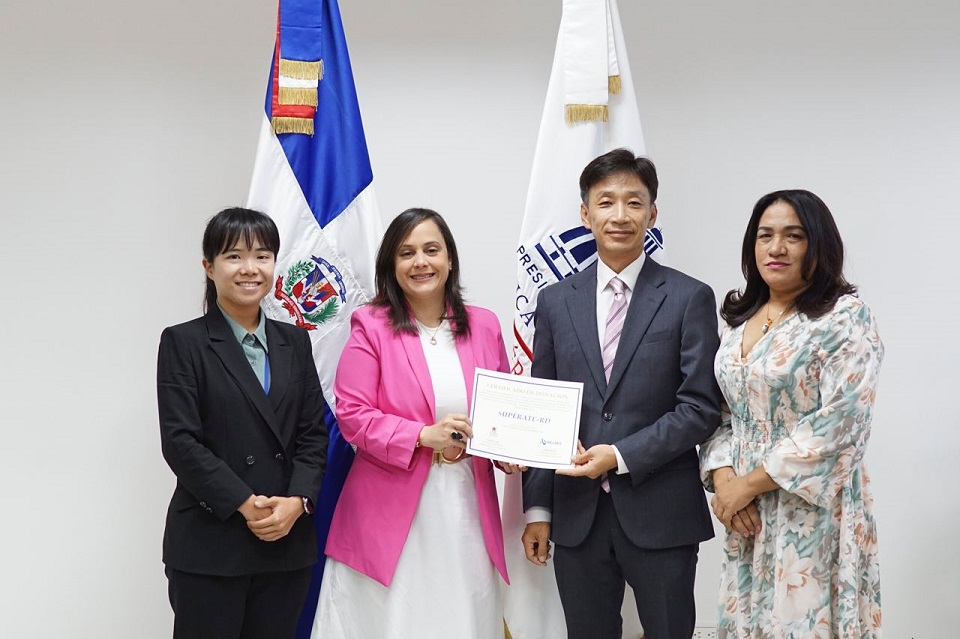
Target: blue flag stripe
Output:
{"points": [[333, 165], [332, 168], [339, 460]]}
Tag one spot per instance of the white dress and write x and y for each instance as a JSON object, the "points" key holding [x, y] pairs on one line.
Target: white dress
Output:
{"points": [[445, 584]]}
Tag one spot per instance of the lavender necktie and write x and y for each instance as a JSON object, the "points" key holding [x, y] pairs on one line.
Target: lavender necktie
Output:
{"points": [[611, 339], [611, 336]]}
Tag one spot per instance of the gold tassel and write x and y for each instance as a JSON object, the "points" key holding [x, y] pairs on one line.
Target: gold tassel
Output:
{"points": [[586, 113], [292, 125], [613, 84], [298, 95], [300, 70]]}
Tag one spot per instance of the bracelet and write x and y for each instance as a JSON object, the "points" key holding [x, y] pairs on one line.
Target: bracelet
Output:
{"points": [[418, 436], [439, 459]]}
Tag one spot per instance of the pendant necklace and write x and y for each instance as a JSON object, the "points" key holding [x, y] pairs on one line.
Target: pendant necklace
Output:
{"points": [[766, 325], [433, 335]]}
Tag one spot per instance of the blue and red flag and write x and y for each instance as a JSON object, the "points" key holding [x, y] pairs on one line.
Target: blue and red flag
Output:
{"points": [[312, 175]]}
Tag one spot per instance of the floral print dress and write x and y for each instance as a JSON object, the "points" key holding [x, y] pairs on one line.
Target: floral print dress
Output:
{"points": [[800, 406]]}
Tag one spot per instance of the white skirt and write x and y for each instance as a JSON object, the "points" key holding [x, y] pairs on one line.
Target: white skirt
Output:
{"points": [[445, 584]]}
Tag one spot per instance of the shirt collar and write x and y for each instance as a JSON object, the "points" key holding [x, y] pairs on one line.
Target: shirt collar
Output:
{"points": [[240, 332], [628, 275]]}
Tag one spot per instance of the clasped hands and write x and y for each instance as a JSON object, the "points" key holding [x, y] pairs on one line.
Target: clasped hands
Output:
{"points": [[451, 434], [271, 518], [734, 503]]}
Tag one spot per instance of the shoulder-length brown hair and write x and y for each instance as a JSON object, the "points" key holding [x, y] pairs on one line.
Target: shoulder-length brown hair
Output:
{"points": [[389, 294]]}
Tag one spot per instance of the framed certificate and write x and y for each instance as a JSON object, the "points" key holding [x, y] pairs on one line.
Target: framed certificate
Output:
{"points": [[525, 420]]}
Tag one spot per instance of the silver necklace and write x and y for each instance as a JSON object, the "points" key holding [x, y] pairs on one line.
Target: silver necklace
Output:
{"points": [[427, 329]]}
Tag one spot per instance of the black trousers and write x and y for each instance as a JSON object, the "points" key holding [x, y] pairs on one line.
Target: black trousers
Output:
{"points": [[261, 606], [591, 576]]}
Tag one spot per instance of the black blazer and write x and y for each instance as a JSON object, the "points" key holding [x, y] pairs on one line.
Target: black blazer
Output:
{"points": [[225, 439], [661, 402]]}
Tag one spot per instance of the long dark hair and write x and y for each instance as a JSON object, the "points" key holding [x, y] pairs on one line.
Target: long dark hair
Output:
{"points": [[822, 264], [225, 228], [389, 294]]}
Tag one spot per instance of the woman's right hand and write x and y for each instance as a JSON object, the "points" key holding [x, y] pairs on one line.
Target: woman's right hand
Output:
{"points": [[451, 431], [252, 512], [745, 521]]}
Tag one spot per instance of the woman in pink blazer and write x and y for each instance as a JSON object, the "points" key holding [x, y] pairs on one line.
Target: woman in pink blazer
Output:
{"points": [[415, 546]]}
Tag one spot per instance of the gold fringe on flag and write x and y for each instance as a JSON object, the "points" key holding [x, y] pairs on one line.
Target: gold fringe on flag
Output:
{"points": [[613, 84], [292, 125], [300, 70], [298, 95], [586, 113]]}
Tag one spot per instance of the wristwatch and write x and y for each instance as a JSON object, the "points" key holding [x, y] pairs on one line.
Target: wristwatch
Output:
{"points": [[307, 506]]}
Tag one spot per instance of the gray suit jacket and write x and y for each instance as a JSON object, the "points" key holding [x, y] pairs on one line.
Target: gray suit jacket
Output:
{"points": [[661, 402]]}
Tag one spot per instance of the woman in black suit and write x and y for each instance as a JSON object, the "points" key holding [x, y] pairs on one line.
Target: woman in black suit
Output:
{"points": [[241, 427]]}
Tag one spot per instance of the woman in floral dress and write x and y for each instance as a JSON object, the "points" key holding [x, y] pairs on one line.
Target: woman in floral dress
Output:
{"points": [[798, 367]]}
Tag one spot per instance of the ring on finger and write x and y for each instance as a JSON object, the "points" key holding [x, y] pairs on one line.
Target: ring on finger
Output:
{"points": [[456, 435]]}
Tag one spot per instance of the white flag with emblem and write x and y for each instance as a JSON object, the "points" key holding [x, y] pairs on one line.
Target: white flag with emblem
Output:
{"points": [[591, 108]]}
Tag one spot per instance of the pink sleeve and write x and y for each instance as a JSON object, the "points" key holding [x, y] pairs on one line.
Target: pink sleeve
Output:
{"points": [[378, 434]]}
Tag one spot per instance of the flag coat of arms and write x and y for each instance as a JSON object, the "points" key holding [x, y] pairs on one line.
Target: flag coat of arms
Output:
{"points": [[590, 108], [312, 175]]}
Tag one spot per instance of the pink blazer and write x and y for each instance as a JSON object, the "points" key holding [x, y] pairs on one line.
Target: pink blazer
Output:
{"points": [[384, 397]]}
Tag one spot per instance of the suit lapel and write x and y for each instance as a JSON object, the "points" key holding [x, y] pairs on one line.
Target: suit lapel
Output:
{"points": [[582, 306], [468, 362], [281, 362], [225, 345], [644, 304], [421, 372]]}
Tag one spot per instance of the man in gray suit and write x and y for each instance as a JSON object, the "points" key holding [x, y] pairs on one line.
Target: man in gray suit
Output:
{"points": [[642, 338]]}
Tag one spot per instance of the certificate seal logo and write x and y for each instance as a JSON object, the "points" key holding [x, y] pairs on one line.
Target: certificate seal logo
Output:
{"points": [[312, 292]]}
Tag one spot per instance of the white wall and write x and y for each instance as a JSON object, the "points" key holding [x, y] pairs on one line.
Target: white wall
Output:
{"points": [[124, 125]]}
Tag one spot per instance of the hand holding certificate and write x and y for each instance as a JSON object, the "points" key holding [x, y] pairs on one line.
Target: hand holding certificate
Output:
{"points": [[524, 420]]}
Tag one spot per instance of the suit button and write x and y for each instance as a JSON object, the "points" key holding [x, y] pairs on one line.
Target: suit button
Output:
{"points": [[203, 504], [607, 416], [210, 510], [279, 457], [250, 460]]}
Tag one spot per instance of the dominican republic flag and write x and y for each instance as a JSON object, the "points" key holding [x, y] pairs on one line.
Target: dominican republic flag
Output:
{"points": [[590, 108], [312, 175]]}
